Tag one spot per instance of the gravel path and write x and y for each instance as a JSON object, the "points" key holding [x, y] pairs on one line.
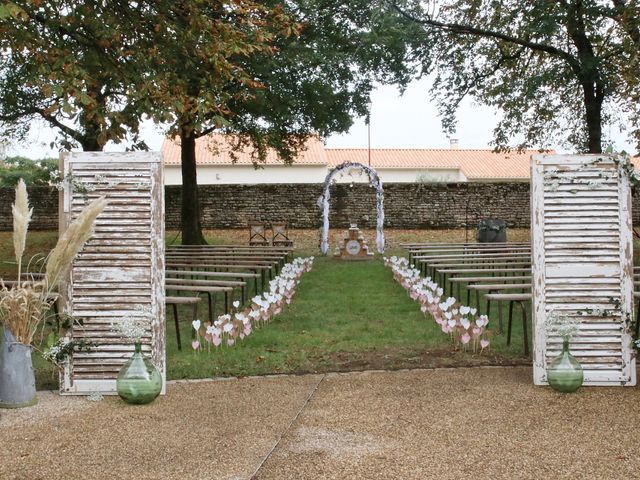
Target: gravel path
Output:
{"points": [[447, 423]]}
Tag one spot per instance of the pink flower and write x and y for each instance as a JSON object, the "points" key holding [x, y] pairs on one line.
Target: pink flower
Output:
{"points": [[476, 331], [195, 344], [230, 342], [216, 341], [484, 343], [465, 338]]}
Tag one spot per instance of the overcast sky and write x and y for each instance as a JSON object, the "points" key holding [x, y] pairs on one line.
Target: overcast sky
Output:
{"points": [[408, 121]]}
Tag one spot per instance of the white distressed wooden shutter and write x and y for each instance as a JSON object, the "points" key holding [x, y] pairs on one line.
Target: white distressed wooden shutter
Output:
{"points": [[583, 263], [120, 268]]}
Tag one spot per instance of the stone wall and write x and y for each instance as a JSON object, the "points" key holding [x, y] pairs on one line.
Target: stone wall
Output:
{"points": [[44, 201], [407, 206]]}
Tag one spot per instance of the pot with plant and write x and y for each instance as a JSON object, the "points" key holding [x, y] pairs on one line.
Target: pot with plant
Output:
{"points": [[26, 304], [564, 373], [139, 381]]}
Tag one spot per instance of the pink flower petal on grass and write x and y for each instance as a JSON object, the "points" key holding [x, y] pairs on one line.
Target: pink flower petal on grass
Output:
{"points": [[195, 344]]}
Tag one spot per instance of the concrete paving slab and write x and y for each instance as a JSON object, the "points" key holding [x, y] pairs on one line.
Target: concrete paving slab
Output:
{"points": [[459, 423], [200, 430]]}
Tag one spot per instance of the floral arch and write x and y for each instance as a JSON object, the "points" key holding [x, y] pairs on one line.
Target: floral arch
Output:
{"points": [[323, 202]]}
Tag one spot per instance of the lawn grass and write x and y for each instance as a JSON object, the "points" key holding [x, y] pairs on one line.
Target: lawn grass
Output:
{"points": [[345, 316]]}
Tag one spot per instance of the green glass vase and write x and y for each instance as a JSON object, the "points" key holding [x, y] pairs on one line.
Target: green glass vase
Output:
{"points": [[564, 373], [139, 381]]}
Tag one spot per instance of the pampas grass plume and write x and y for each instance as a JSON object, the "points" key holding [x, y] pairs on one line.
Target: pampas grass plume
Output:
{"points": [[71, 241], [21, 218]]}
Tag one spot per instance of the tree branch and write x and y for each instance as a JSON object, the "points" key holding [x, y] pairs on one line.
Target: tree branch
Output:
{"points": [[481, 32], [621, 8], [77, 136]]}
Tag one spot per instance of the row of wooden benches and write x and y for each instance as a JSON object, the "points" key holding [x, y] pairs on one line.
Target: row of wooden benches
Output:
{"points": [[492, 269], [192, 272], [213, 269]]}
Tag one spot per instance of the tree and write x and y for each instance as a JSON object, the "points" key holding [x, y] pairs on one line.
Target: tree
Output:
{"points": [[71, 65], [33, 172], [271, 73], [558, 70], [301, 68]]}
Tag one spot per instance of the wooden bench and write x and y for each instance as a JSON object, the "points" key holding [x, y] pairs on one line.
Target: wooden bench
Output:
{"points": [[208, 291], [242, 276], [486, 279], [476, 271], [496, 288], [215, 266], [437, 266], [174, 302], [521, 299], [464, 247]]}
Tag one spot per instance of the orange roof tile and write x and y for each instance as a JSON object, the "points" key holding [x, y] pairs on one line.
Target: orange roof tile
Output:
{"points": [[475, 164], [215, 150]]}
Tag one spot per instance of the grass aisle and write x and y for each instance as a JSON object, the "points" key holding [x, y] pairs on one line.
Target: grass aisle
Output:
{"points": [[345, 316]]}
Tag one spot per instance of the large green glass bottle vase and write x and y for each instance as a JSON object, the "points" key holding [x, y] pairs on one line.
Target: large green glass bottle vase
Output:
{"points": [[564, 373], [139, 381]]}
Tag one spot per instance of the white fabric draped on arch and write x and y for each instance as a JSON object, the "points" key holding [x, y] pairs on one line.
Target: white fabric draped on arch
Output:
{"points": [[323, 202]]}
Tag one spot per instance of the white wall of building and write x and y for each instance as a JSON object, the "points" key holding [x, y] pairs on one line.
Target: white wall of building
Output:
{"points": [[247, 175], [407, 175]]}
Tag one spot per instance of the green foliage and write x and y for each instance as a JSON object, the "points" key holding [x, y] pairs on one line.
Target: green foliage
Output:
{"points": [[560, 72], [320, 78], [33, 172], [70, 63]]}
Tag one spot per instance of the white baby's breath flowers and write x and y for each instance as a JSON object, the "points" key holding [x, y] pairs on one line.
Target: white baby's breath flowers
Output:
{"points": [[135, 325], [561, 325]]}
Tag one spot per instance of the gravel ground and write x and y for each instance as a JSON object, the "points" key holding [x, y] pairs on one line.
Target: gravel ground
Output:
{"points": [[477, 423], [200, 430], [445, 423]]}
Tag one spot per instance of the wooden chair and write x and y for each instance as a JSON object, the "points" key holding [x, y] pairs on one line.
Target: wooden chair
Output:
{"points": [[258, 234], [280, 235]]}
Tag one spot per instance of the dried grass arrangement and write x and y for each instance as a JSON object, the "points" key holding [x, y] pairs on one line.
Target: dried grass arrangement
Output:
{"points": [[24, 306]]}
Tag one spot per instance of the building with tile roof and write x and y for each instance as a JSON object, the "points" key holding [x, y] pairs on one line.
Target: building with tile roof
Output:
{"points": [[216, 164]]}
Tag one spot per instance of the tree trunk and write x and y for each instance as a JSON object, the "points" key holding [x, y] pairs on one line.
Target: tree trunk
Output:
{"points": [[593, 117], [89, 144], [191, 226], [588, 74]]}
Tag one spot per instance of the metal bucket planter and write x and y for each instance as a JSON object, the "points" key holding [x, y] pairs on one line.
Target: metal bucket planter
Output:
{"points": [[17, 377]]}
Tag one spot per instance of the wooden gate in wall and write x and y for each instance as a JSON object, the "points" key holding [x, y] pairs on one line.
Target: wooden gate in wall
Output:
{"points": [[121, 268], [583, 263]]}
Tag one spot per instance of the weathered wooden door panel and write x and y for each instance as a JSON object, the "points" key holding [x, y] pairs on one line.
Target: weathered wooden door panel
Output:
{"points": [[583, 263], [121, 267]]}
